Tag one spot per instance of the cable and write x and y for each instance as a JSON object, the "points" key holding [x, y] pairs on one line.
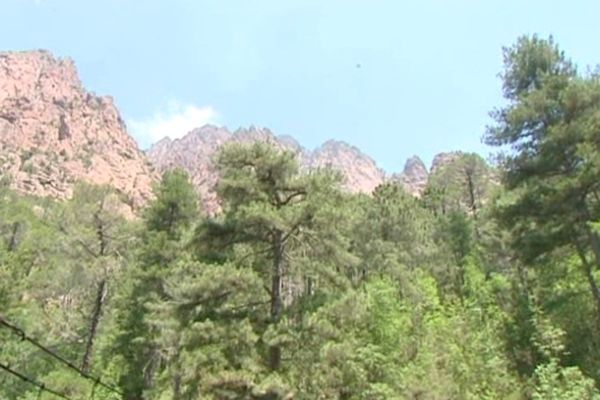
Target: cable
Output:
{"points": [[93, 390], [33, 382], [21, 333]]}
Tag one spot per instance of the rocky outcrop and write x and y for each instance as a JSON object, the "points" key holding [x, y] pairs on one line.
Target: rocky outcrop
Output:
{"points": [[360, 172], [443, 159], [53, 132], [414, 177], [195, 151]]}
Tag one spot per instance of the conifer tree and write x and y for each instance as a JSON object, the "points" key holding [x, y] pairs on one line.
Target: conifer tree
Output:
{"points": [[551, 170], [165, 220], [271, 206]]}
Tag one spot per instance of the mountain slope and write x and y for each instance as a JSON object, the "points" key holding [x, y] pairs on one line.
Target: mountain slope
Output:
{"points": [[54, 133], [414, 177], [360, 171]]}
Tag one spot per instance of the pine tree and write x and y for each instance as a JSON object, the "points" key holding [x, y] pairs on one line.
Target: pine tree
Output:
{"points": [[551, 171], [166, 219], [276, 210]]}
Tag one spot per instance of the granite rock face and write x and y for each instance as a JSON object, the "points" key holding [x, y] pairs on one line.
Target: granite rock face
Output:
{"points": [[442, 160], [53, 132], [195, 151], [414, 177], [361, 173]]}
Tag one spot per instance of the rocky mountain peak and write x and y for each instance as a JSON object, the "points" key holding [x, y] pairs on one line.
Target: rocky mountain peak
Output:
{"points": [[414, 176], [360, 171], [291, 143], [414, 166], [195, 151], [54, 133], [442, 159]]}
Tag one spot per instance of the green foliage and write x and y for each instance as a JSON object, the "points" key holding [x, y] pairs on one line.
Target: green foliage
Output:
{"points": [[297, 290], [276, 215], [463, 184], [176, 205], [550, 175], [550, 126], [393, 232], [135, 339], [555, 382], [530, 62]]}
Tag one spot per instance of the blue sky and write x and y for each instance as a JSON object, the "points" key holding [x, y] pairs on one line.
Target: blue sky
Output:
{"points": [[395, 78]]}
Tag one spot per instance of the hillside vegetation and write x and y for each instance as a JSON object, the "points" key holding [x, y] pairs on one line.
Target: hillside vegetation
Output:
{"points": [[484, 287]]}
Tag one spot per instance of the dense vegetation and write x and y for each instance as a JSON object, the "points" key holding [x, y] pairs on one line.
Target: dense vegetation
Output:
{"points": [[484, 288]]}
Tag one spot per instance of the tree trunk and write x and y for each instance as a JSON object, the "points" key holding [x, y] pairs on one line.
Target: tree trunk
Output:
{"points": [[177, 383], [588, 271], [150, 370], [594, 244], [472, 199], [276, 302], [13, 242], [594, 289], [593, 239], [100, 234], [471, 189], [177, 374], [309, 286], [96, 314]]}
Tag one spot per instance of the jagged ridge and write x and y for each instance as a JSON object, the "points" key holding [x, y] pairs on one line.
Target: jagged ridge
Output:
{"points": [[54, 133], [194, 153]]}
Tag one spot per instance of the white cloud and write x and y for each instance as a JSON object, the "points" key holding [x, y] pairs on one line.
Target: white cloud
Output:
{"points": [[174, 121]]}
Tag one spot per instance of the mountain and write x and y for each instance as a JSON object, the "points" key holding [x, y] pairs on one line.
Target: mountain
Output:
{"points": [[194, 153], [53, 132], [360, 171], [442, 160], [414, 177]]}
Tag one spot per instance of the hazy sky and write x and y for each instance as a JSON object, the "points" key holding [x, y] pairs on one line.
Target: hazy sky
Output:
{"points": [[394, 78]]}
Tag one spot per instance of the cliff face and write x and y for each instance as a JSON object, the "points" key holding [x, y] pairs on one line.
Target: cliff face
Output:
{"points": [[54, 133], [442, 160], [414, 177], [195, 151], [361, 174]]}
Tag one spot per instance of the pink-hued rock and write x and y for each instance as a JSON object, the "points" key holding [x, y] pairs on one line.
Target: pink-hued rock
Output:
{"points": [[54, 133], [195, 151], [361, 173], [442, 160], [414, 177]]}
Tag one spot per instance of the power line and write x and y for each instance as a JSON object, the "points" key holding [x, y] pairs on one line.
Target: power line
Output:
{"points": [[21, 333], [33, 382]]}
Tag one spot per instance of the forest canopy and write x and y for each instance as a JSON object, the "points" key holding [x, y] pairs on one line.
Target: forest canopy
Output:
{"points": [[485, 287]]}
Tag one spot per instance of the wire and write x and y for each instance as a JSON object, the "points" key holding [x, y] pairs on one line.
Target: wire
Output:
{"points": [[33, 382], [21, 333], [93, 390]]}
